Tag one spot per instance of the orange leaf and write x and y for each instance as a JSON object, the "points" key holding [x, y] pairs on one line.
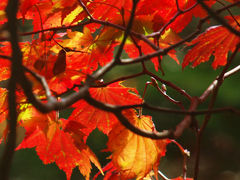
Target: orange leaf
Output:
{"points": [[3, 5], [94, 50], [3, 104], [135, 156], [217, 41], [57, 141]]}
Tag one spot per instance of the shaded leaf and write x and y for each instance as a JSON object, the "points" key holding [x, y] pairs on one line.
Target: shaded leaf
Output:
{"points": [[60, 64]]}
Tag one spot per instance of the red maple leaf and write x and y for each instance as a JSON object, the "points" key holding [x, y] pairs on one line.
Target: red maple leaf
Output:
{"points": [[163, 11], [3, 104], [216, 41], [57, 141], [168, 38], [92, 117]]}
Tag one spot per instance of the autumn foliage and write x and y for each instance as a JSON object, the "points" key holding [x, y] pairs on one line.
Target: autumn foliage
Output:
{"points": [[61, 64]]}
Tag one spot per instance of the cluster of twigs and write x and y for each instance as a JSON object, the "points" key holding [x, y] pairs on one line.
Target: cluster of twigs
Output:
{"points": [[18, 77]]}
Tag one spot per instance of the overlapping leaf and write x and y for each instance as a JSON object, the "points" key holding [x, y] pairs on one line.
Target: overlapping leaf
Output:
{"points": [[168, 38], [216, 41], [92, 117], [59, 70], [135, 156], [164, 11], [112, 9], [93, 51], [55, 142]]}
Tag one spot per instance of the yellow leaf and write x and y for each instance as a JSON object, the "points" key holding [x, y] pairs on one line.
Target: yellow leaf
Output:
{"points": [[135, 156]]}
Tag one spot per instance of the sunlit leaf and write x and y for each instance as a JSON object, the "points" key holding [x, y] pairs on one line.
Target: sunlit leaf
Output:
{"points": [[56, 142], [135, 156], [92, 117], [216, 41]]}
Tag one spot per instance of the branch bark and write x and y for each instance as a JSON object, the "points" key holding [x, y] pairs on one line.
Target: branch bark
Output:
{"points": [[16, 69]]}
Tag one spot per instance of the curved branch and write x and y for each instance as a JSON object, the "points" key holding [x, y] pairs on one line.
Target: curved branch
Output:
{"points": [[124, 121]]}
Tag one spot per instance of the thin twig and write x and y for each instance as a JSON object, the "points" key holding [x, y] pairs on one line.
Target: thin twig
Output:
{"points": [[229, 11], [126, 32], [215, 16], [177, 14], [183, 112], [162, 175], [213, 85], [170, 84], [85, 9], [164, 93]]}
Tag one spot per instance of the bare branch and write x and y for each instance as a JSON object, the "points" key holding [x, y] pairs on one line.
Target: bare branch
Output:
{"points": [[16, 68], [222, 76], [218, 18], [232, 72], [178, 13], [187, 121], [124, 121], [127, 31], [214, 90], [85, 9], [184, 112]]}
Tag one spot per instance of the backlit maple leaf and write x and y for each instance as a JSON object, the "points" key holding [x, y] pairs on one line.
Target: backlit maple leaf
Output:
{"points": [[55, 64], [55, 141], [164, 11], [4, 69], [135, 156], [94, 51], [112, 9], [5, 63], [92, 117], [3, 104], [216, 41], [168, 38]]}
